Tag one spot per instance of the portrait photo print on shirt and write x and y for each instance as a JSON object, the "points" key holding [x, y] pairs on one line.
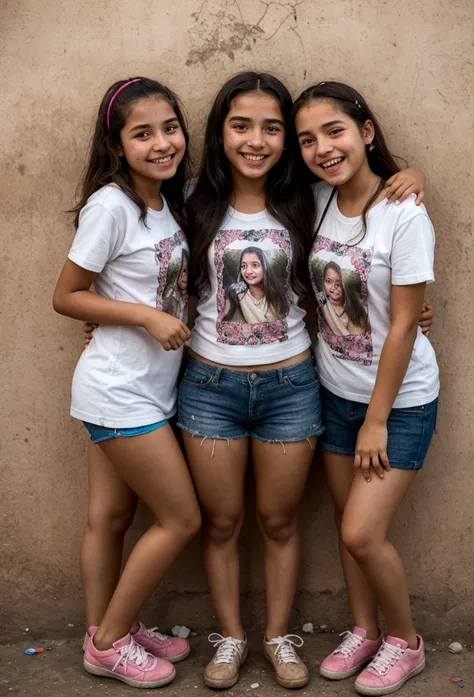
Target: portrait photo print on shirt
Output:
{"points": [[253, 290], [172, 256]]}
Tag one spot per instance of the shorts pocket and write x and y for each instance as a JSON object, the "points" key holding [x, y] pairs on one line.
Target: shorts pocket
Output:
{"points": [[304, 380], [191, 376]]}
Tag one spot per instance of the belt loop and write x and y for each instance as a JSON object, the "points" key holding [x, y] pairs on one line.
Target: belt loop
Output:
{"points": [[281, 377], [217, 376]]}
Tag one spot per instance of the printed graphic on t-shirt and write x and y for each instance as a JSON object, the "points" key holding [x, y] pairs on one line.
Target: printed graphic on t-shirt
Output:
{"points": [[253, 293], [172, 257], [339, 275]]}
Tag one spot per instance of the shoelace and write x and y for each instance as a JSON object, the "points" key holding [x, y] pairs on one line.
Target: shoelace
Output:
{"points": [[153, 633], [386, 657], [285, 651], [136, 654], [227, 647], [349, 644]]}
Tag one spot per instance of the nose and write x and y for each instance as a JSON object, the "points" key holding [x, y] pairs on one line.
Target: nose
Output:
{"points": [[161, 143], [324, 146], [255, 139]]}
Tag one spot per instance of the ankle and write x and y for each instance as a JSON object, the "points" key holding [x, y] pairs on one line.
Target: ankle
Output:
{"points": [[234, 632], [102, 643], [274, 633]]}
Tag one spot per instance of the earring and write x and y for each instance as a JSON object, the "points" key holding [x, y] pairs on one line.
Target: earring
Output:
{"points": [[371, 147]]}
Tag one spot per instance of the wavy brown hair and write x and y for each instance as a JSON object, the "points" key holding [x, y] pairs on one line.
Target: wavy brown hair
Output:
{"points": [[105, 166]]}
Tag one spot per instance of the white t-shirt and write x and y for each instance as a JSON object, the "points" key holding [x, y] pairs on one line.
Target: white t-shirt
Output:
{"points": [[353, 283], [125, 378], [249, 314]]}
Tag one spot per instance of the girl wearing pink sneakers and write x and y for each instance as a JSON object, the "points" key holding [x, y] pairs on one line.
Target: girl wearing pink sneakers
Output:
{"points": [[130, 243], [378, 373]]}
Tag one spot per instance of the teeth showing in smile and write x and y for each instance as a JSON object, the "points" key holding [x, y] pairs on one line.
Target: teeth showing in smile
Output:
{"points": [[331, 163], [162, 160], [254, 158]]}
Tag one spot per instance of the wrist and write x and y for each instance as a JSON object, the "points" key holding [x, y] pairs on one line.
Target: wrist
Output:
{"points": [[375, 419], [143, 315]]}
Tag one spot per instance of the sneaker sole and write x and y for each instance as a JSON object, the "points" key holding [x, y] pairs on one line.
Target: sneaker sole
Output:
{"points": [[178, 658], [375, 691], [104, 673], [225, 684], [288, 684], [343, 674]]}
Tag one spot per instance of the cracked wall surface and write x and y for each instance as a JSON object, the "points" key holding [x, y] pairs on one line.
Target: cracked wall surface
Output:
{"points": [[414, 62]]}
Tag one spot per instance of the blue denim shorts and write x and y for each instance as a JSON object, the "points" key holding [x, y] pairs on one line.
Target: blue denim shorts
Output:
{"points": [[281, 405], [410, 430], [100, 433]]}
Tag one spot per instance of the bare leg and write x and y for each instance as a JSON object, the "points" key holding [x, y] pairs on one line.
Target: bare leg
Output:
{"points": [[369, 511], [218, 470], [112, 506], [340, 477], [154, 467], [280, 480]]}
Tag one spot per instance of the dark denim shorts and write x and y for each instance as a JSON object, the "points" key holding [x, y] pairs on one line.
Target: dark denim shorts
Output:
{"points": [[100, 433], [410, 430], [281, 405]]}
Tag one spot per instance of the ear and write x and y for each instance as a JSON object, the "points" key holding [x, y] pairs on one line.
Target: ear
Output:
{"points": [[368, 132]]}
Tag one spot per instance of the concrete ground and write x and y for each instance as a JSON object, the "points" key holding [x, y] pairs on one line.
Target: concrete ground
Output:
{"points": [[58, 672]]}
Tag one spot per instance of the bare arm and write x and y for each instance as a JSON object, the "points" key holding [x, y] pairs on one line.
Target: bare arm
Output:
{"points": [[73, 298], [406, 303]]}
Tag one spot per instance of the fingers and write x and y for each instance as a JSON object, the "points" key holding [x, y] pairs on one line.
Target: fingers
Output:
{"points": [[376, 464], [425, 331], [362, 462], [420, 198], [396, 190]]}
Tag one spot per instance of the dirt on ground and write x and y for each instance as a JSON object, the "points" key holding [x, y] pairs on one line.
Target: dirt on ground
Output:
{"points": [[58, 672]]}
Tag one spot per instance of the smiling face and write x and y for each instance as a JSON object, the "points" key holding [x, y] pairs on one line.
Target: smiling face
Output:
{"points": [[251, 269], [332, 144], [152, 141], [333, 286], [253, 135]]}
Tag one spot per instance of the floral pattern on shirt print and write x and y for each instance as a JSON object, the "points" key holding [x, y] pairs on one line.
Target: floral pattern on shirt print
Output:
{"points": [[253, 292], [172, 257], [339, 275]]}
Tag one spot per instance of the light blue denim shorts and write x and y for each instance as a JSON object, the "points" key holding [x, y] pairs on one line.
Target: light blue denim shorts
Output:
{"points": [[100, 433], [280, 405]]}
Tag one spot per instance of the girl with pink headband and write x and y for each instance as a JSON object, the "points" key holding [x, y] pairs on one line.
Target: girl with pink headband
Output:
{"points": [[130, 242]]}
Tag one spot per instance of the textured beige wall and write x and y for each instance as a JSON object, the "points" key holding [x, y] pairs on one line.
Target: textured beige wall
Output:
{"points": [[414, 62]]}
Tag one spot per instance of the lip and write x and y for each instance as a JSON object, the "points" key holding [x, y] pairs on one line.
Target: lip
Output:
{"points": [[254, 163], [162, 165], [333, 168]]}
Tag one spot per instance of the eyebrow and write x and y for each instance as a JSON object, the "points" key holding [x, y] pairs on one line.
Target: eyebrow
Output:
{"points": [[246, 119], [325, 125], [141, 126]]}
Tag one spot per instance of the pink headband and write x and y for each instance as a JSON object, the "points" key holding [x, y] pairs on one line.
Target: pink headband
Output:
{"points": [[114, 97]]}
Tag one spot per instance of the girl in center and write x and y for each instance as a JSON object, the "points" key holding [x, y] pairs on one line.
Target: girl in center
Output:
{"points": [[250, 387]]}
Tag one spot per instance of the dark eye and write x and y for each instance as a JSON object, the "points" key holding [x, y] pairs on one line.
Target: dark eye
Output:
{"points": [[171, 128], [307, 141], [273, 129], [335, 131], [239, 126], [143, 134]]}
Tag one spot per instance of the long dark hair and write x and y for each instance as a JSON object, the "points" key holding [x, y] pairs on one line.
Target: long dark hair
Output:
{"points": [[105, 166], [273, 289], [350, 102], [287, 201], [353, 305]]}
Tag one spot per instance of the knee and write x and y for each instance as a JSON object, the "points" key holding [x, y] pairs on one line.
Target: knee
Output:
{"points": [[360, 542], [278, 527], [220, 529], [114, 522], [189, 524]]}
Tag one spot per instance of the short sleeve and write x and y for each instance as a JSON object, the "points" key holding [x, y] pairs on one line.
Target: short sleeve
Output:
{"points": [[413, 252], [97, 238]]}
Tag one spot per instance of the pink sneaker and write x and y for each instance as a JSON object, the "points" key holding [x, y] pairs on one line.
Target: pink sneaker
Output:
{"points": [[128, 662], [170, 648], [393, 665], [90, 631], [352, 653]]}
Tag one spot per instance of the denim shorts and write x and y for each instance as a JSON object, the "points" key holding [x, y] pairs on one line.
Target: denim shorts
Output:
{"points": [[410, 430], [281, 405], [100, 433]]}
